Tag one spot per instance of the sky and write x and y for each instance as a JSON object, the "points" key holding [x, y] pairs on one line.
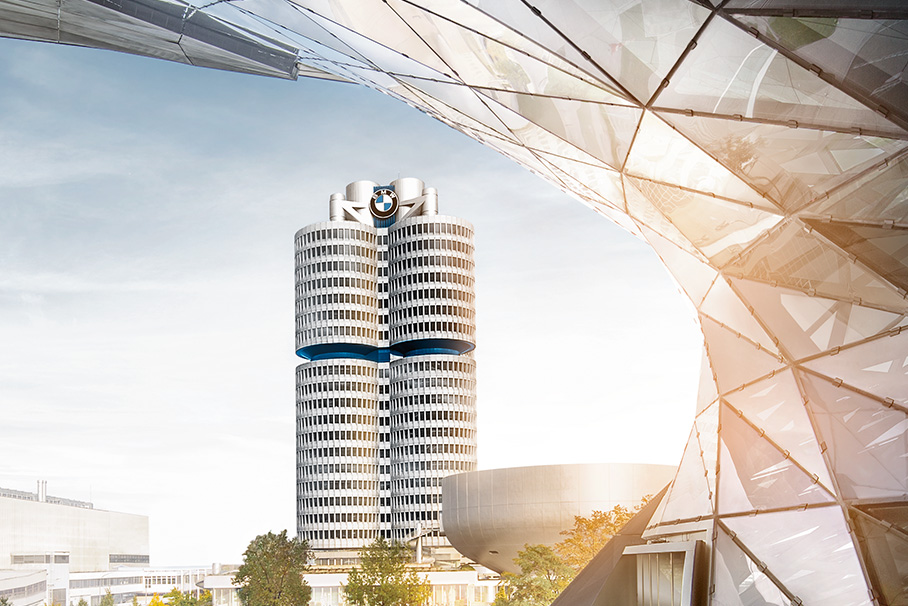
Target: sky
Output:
{"points": [[147, 214]]}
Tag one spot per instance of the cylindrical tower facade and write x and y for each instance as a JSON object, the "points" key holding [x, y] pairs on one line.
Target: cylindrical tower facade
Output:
{"points": [[433, 434], [432, 301], [337, 453], [336, 306]]}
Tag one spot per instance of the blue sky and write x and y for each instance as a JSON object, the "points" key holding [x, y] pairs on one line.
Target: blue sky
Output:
{"points": [[147, 213]]}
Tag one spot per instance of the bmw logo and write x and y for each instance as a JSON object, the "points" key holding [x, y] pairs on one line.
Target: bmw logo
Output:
{"points": [[384, 203]]}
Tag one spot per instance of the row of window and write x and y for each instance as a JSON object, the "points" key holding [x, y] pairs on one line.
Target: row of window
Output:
{"points": [[345, 419], [341, 369], [421, 482], [356, 266], [42, 558], [333, 233], [334, 298], [421, 449], [344, 434], [327, 468], [320, 503], [319, 403], [402, 501], [366, 284], [399, 314], [344, 313], [323, 386], [18, 592], [398, 282], [334, 451], [129, 558], [432, 364], [409, 247], [416, 228], [432, 465], [167, 580], [421, 294], [413, 433], [327, 535], [422, 416], [401, 264], [453, 401], [347, 250], [102, 582], [406, 383], [400, 332]]}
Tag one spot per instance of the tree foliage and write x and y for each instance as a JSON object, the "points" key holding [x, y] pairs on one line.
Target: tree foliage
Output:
{"points": [[107, 599], [155, 601], [5, 601], [177, 598], [382, 578], [589, 535], [543, 576], [272, 572]]}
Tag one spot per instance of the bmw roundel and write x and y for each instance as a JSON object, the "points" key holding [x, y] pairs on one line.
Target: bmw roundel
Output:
{"points": [[384, 203]]}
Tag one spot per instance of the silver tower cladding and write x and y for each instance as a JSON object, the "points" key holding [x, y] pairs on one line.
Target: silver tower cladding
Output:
{"points": [[386, 408]]}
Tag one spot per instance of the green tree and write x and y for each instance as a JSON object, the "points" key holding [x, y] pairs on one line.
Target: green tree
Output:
{"points": [[82, 602], [107, 599], [590, 534], [135, 601], [272, 572], [543, 576], [5, 601], [156, 601], [383, 580]]}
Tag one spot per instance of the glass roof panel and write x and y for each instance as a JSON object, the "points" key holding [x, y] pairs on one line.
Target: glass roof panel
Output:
{"points": [[792, 257], [641, 208], [810, 325], [736, 359], [754, 475], [603, 131], [724, 305], [662, 154], [732, 73], [776, 406], [635, 42], [707, 423], [888, 553], [707, 393], [811, 552], [879, 367], [789, 165], [739, 581], [884, 249], [689, 496], [719, 229], [869, 55], [689, 269], [879, 195], [866, 441], [493, 55]]}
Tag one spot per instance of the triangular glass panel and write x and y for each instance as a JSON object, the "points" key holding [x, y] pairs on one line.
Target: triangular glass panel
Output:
{"points": [[724, 305], [636, 42], [486, 54], [879, 367], [660, 153], [581, 189], [754, 475], [867, 442], [809, 325], [868, 55], [732, 73], [718, 228], [736, 359], [693, 274], [887, 552], [601, 130], [880, 195], [606, 183], [890, 513], [776, 406], [640, 207], [884, 249], [739, 580], [792, 257], [792, 166], [689, 495], [528, 33], [707, 392], [810, 551]]}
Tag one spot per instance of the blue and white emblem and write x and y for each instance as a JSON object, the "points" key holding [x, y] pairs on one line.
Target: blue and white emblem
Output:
{"points": [[384, 203]]}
